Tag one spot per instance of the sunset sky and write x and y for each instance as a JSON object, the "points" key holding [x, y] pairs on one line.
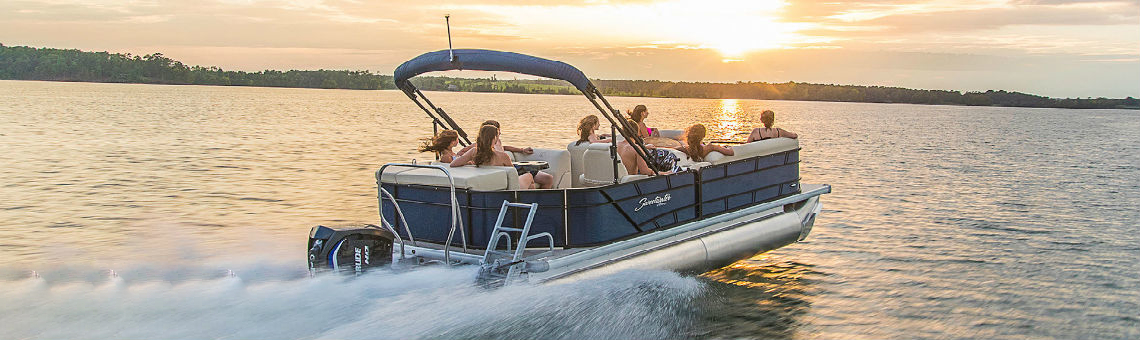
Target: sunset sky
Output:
{"points": [[1056, 48]]}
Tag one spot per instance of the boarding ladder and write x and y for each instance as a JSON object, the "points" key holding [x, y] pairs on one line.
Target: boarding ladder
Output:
{"points": [[500, 268], [456, 221]]}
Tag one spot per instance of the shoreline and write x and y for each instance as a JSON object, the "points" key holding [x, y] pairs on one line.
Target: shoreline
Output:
{"points": [[571, 94], [72, 65]]}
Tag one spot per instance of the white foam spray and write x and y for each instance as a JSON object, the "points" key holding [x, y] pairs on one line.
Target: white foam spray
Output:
{"points": [[260, 301]]}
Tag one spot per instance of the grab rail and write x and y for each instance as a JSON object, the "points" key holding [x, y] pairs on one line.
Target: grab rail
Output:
{"points": [[387, 225], [455, 220]]}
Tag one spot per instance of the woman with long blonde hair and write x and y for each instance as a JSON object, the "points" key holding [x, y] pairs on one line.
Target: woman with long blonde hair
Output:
{"points": [[696, 150], [588, 131]]}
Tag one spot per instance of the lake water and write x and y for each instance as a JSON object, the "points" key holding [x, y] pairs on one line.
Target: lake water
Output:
{"points": [[158, 212]]}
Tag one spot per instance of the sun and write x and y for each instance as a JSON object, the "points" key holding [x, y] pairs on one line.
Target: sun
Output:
{"points": [[736, 45], [731, 28], [735, 28]]}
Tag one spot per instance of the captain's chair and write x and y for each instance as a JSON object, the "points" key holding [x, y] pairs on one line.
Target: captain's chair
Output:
{"points": [[576, 150], [598, 167], [560, 162]]}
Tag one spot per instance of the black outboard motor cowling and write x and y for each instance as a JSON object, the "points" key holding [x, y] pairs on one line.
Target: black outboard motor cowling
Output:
{"points": [[349, 249]]}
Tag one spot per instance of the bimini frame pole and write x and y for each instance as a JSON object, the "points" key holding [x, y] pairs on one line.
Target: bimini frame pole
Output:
{"points": [[446, 122], [634, 140]]}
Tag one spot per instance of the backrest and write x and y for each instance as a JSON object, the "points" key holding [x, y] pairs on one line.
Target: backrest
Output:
{"points": [[672, 134], [597, 166], [576, 150], [757, 148], [483, 178], [559, 160]]}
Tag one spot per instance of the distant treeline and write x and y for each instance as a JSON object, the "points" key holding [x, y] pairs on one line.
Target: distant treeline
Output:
{"points": [[27, 63]]}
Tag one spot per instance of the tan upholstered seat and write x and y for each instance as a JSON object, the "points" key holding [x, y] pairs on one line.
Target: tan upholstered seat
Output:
{"points": [[757, 148], [484, 178], [576, 150], [598, 167], [672, 134], [559, 161]]}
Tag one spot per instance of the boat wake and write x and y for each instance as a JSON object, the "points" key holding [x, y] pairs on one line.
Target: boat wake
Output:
{"points": [[282, 302]]}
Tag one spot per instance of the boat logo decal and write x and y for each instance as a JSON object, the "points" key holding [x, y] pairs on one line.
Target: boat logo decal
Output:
{"points": [[656, 201], [356, 256]]}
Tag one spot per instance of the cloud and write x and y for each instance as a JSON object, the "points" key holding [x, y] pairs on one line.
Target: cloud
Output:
{"points": [[897, 42], [991, 18], [1002, 27]]}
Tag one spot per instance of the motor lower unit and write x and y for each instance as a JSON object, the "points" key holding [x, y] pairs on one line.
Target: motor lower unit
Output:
{"points": [[354, 249]]}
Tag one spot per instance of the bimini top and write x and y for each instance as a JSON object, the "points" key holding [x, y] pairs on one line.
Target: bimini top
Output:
{"points": [[487, 60]]}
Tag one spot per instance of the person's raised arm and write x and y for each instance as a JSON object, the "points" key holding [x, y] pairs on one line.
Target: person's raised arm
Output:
{"points": [[722, 150], [465, 158], [526, 150], [786, 133], [465, 149]]}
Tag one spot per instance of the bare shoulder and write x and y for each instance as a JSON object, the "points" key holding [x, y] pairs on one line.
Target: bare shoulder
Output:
{"points": [[502, 159]]}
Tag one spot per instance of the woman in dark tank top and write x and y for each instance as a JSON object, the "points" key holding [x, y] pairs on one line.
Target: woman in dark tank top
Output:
{"points": [[768, 132]]}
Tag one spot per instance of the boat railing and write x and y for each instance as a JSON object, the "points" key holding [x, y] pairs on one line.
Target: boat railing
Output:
{"points": [[388, 226], [456, 221]]}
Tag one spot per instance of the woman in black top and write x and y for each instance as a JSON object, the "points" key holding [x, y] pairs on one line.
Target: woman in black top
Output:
{"points": [[768, 132]]}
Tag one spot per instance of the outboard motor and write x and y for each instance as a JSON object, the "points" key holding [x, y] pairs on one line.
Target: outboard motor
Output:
{"points": [[349, 249]]}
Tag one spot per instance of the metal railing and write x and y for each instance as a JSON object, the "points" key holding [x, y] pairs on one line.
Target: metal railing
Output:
{"points": [[456, 221]]}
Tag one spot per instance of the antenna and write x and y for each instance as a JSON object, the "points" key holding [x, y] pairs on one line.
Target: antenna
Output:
{"points": [[450, 52]]}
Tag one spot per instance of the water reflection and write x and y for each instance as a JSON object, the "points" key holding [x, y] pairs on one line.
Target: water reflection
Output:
{"points": [[931, 232], [728, 122], [766, 297]]}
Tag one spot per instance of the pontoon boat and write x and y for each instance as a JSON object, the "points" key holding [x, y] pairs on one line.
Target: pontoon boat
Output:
{"points": [[598, 219]]}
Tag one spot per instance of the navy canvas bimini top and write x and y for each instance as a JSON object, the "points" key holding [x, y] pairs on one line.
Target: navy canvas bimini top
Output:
{"points": [[487, 60]]}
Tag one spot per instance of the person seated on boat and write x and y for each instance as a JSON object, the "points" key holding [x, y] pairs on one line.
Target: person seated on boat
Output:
{"points": [[696, 150], [588, 131], [441, 145], [499, 146], [638, 115], [484, 152], [768, 132], [541, 179], [662, 160]]}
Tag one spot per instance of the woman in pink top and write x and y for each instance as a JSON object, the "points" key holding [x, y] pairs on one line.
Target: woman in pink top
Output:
{"points": [[638, 115]]}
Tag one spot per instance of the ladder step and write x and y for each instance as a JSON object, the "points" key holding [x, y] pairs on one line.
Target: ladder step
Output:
{"points": [[510, 229]]}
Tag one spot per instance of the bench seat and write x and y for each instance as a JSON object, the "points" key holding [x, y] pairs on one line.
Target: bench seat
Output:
{"points": [[483, 178], [757, 148]]}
